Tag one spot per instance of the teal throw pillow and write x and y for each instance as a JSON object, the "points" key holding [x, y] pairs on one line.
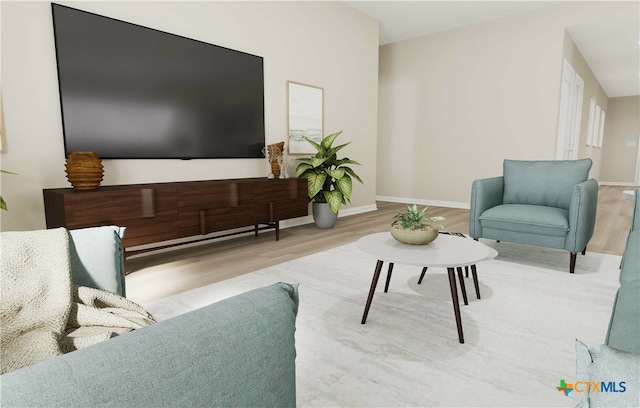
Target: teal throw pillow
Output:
{"points": [[97, 258]]}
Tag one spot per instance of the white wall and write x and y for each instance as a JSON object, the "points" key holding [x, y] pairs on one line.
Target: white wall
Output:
{"points": [[326, 44], [620, 145], [454, 105], [592, 89]]}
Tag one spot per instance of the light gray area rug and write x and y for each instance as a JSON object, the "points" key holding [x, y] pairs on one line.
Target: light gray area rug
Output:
{"points": [[519, 338]]}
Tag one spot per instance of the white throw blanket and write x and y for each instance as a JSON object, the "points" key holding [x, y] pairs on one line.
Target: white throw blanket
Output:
{"points": [[42, 313]]}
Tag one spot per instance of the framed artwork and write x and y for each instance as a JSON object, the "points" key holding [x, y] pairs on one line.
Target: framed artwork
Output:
{"points": [[305, 116], [596, 126], [592, 114], [601, 129]]}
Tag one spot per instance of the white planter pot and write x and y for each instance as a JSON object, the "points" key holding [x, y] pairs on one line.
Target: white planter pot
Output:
{"points": [[323, 216]]}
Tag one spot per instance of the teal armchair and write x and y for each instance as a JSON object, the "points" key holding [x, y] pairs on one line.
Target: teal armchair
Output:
{"points": [[545, 203]]}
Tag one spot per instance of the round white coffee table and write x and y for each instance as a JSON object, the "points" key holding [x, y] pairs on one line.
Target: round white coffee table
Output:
{"points": [[447, 251]]}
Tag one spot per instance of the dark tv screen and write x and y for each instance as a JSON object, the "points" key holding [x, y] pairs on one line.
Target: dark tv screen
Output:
{"points": [[130, 92]]}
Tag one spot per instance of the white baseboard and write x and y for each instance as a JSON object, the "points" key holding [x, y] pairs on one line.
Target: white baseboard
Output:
{"points": [[344, 212], [435, 203], [617, 183]]}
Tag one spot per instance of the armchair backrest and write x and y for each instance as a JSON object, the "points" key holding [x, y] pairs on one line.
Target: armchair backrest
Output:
{"points": [[543, 182]]}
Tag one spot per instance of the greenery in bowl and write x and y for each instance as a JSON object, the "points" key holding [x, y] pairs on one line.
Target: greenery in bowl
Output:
{"points": [[329, 179], [412, 219]]}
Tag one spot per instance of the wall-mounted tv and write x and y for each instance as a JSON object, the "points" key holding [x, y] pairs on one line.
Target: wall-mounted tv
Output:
{"points": [[130, 92]]}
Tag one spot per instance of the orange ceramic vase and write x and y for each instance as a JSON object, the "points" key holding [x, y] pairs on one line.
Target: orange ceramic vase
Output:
{"points": [[84, 170]]}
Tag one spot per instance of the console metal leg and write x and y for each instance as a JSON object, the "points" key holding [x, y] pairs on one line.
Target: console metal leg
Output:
{"points": [[374, 283]]}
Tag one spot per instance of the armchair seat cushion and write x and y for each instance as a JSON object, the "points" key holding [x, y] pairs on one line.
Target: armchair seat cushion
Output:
{"points": [[525, 218]]}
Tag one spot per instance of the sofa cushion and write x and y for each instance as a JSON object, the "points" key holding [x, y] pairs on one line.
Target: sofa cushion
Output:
{"points": [[532, 219], [239, 352], [543, 182], [97, 258], [606, 377], [624, 325], [631, 259]]}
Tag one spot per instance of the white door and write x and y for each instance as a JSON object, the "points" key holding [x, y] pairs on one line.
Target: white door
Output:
{"points": [[571, 95]]}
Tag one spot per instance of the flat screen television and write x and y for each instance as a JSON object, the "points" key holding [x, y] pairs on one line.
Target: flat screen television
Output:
{"points": [[130, 92]]}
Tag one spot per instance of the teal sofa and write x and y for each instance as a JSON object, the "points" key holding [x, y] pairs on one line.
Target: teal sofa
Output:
{"points": [[239, 352], [624, 326], [617, 361], [545, 203]]}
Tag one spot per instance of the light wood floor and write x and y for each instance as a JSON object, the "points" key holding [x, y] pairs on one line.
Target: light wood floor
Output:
{"points": [[157, 275]]}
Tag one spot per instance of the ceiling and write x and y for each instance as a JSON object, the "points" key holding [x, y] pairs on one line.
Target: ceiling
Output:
{"points": [[600, 43]]}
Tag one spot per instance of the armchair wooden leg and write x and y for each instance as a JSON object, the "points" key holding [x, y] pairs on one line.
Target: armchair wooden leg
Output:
{"points": [[572, 262], [584, 251]]}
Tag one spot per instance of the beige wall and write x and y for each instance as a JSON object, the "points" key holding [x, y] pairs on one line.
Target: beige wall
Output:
{"points": [[454, 105], [327, 44], [621, 137]]}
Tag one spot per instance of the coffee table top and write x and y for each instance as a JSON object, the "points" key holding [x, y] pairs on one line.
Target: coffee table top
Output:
{"points": [[447, 251]]}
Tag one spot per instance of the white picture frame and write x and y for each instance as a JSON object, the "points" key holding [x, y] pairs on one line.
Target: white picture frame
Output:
{"points": [[596, 125], [305, 116], [601, 129], [590, 130]]}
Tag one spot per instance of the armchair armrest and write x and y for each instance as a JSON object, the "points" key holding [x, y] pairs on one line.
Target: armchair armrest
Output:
{"points": [[582, 215], [485, 193], [237, 352]]}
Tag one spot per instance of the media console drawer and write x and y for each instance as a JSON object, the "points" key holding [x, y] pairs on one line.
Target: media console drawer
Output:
{"points": [[159, 212]]}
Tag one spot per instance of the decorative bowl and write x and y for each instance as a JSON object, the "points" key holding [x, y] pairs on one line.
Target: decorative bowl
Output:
{"points": [[414, 237]]}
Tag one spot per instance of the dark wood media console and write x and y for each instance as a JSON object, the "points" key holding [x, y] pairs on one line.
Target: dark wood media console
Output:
{"points": [[154, 213]]}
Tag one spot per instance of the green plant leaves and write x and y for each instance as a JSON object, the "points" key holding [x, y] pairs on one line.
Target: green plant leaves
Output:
{"points": [[345, 186], [414, 220], [317, 161], [328, 140], [302, 167], [336, 173], [334, 199], [3, 204], [315, 181], [328, 178]]}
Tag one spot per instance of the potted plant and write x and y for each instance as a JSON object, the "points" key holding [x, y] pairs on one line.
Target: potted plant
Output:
{"points": [[3, 204], [414, 227], [329, 179]]}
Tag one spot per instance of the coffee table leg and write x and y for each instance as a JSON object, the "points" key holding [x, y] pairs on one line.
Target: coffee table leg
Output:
{"points": [[424, 270], [386, 285], [374, 283], [474, 273], [463, 288], [456, 305]]}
